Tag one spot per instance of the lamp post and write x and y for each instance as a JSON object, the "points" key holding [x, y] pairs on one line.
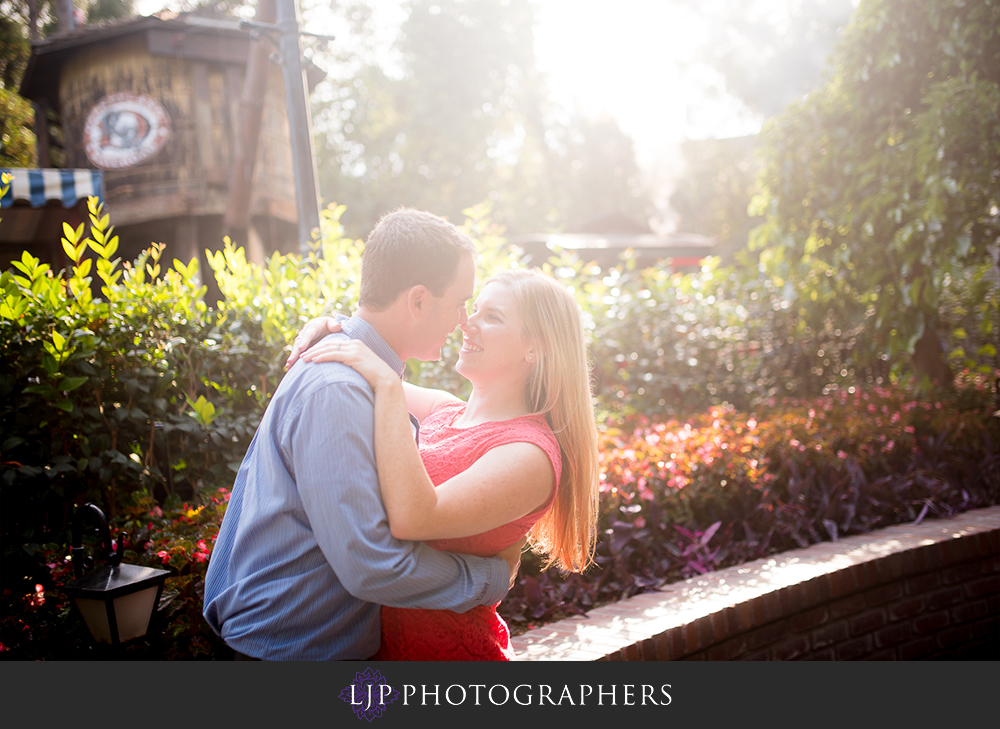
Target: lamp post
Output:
{"points": [[117, 600], [299, 123]]}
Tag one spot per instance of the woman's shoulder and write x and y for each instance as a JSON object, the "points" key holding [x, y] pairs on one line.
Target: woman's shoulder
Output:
{"points": [[533, 429]]}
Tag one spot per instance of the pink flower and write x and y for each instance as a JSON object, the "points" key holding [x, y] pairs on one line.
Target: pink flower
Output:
{"points": [[163, 555], [36, 600]]}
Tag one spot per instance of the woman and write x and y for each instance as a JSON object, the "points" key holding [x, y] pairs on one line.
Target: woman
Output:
{"points": [[519, 458]]}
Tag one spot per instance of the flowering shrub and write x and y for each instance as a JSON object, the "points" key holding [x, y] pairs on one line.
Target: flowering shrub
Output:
{"points": [[177, 537], [181, 540], [684, 498]]}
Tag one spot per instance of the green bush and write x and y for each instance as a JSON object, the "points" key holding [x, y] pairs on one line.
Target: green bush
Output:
{"points": [[119, 385], [130, 387]]}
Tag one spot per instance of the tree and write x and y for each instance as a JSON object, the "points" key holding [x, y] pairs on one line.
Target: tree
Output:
{"points": [[14, 50], [17, 141], [18, 21], [424, 137], [767, 56], [713, 194], [771, 55], [881, 188], [463, 118], [99, 10], [598, 172]]}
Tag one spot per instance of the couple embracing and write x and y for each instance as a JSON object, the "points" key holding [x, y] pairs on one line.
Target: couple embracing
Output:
{"points": [[374, 519]]}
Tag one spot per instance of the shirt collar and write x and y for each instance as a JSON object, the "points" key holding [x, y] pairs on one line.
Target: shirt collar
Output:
{"points": [[359, 329]]}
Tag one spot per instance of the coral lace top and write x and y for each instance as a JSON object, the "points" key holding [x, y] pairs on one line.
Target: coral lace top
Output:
{"points": [[479, 634]]}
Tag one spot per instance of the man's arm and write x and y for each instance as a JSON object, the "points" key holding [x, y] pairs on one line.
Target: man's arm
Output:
{"points": [[331, 450]]}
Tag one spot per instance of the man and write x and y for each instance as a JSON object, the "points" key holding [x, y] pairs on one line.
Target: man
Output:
{"points": [[304, 557]]}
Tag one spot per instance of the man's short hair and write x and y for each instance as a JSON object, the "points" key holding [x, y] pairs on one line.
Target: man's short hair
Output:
{"points": [[407, 248]]}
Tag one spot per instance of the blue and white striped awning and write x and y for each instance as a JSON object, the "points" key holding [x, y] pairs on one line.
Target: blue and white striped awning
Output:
{"points": [[40, 186]]}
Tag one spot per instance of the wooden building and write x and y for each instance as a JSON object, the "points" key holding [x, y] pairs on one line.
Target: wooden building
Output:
{"points": [[155, 103]]}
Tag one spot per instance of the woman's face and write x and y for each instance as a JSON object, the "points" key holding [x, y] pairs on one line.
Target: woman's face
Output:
{"points": [[494, 344]]}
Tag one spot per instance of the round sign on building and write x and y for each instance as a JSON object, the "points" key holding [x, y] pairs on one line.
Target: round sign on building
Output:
{"points": [[124, 130]]}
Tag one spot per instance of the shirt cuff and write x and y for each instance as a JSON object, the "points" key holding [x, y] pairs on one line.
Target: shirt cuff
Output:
{"points": [[499, 581]]}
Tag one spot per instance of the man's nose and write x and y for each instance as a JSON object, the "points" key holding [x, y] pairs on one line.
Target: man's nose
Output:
{"points": [[463, 317]]}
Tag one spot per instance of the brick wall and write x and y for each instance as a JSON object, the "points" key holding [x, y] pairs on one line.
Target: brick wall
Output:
{"points": [[929, 591]]}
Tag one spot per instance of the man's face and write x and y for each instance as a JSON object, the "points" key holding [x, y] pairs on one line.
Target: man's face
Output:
{"points": [[447, 311]]}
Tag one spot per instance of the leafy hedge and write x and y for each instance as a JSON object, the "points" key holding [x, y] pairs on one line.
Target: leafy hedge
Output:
{"points": [[682, 498], [125, 388]]}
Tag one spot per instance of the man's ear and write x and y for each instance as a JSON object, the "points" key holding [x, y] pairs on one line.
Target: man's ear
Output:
{"points": [[417, 300]]}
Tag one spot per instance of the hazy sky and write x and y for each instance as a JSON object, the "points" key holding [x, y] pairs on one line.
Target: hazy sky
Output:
{"points": [[635, 63]]}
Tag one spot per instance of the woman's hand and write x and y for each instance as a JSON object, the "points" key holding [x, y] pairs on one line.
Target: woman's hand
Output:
{"points": [[355, 354], [313, 330]]}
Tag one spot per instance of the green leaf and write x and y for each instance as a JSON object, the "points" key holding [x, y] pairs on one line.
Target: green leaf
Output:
{"points": [[49, 363], [71, 383], [70, 235], [69, 249], [84, 268], [43, 390]]}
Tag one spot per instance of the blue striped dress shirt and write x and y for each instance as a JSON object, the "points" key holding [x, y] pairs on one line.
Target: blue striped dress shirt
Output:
{"points": [[304, 556]]}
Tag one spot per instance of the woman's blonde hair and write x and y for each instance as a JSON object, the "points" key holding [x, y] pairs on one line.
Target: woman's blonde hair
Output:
{"points": [[558, 386]]}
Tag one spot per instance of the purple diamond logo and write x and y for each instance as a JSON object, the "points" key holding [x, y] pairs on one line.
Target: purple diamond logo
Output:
{"points": [[369, 694]]}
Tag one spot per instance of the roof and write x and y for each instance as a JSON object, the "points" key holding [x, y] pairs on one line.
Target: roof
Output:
{"points": [[179, 35], [678, 244], [607, 248], [48, 55], [105, 30]]}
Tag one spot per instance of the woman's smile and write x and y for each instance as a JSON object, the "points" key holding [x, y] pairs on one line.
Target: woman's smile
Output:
{"points": [[469, 346]]}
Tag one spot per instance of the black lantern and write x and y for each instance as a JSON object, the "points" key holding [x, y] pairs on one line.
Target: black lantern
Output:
{"points": [[117, 600]]}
